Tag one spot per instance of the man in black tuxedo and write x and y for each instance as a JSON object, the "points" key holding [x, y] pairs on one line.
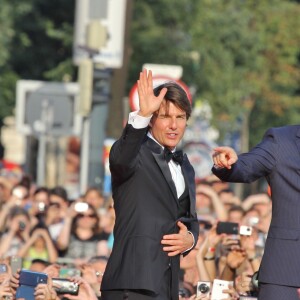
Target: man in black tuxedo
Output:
{"points": [[154, 197]]}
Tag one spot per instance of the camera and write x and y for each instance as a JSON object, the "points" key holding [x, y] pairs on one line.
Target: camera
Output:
{"points": [[65, 286], [253, 221], [16, 263], [254, 281], [41, 207], [3, 268], [69, 272], [204, 224], [22, 225], [227, 227], [218, 287], [203, 288], [81, 207], [245, 230]]}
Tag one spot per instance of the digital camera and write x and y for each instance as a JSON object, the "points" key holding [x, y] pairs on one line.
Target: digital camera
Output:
{"points": [[65, 286], [203, 288], [245, 230]]}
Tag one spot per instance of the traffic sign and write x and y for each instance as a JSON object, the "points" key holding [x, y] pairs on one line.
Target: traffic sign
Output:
{"points": [[47, 108]]}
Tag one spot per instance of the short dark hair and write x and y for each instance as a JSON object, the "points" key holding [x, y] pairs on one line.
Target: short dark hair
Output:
{"points": [[18, 211], [176, 95], [41, 189], [236, 208], [60, 192], [41, 261]]}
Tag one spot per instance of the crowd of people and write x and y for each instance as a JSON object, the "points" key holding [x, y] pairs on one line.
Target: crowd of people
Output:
{"points": [[42, 230], [48, 232]]}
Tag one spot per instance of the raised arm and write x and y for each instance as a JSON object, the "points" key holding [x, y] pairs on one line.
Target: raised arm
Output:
{"points": [[149, 103]]}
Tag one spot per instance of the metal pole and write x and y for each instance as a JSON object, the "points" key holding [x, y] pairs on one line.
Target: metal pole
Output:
{"points": [[41, 127], [84, 155]]}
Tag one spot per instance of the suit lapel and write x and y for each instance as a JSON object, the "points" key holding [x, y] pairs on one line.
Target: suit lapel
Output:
{"points": [[157, 153], [189, 181], [166, 172]]}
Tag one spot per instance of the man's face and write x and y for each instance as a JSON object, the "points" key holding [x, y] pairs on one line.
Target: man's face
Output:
{"points": [[168, 125]]}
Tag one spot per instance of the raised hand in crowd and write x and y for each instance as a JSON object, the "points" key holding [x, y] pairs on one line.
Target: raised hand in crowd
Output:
{"points": [[248, 244], [45, 291], [244, 283], [206, 255], [18, 232], [39, 242], [92, 277], [52, 270], [5, 290], [85, 290]]}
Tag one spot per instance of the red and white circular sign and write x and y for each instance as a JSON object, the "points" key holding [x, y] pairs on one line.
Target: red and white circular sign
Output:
{"points": [[157, 80]]}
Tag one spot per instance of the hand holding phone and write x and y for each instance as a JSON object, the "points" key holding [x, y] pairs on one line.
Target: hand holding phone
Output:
{"points": [[218, 287], [28, 280]]}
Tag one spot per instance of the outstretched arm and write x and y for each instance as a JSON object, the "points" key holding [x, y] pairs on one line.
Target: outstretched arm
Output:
{"points": [[224, 157]]}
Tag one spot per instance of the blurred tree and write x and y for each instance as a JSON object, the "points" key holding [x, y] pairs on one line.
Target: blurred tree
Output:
{"points": [[160, 34], [7, 76], [241, 56], [35, 43]]}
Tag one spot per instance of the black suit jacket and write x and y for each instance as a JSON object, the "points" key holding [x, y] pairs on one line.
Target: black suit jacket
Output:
{"points": [[277, 158], [146, 206]]}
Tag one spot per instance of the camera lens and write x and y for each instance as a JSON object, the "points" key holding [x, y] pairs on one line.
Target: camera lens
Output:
{"points": [[203, 288], [254, 280], [22, 225]]}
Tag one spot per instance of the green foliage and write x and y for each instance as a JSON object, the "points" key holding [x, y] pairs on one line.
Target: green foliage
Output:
{"points": [[240, 56], [35, 43]]}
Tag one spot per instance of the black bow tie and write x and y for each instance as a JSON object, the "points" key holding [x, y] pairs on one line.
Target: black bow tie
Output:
{"points": [[177, 156]]}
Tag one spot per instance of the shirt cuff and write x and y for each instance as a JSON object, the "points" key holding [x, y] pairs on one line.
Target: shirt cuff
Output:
{"points": [[138, 121], [192, 245]]}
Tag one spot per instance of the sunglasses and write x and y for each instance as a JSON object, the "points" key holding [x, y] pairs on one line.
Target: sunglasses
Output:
{"points": [[54, 204], [86, 215]]}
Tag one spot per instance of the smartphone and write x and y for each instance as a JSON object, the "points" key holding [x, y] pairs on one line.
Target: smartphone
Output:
{"points": [[203, 288], [3, 268], [245, 230], [16, 263], [65, 286], [69, 272], [218, 287], [28, 280], [81, 206], [204, 224], [227, 227]]}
